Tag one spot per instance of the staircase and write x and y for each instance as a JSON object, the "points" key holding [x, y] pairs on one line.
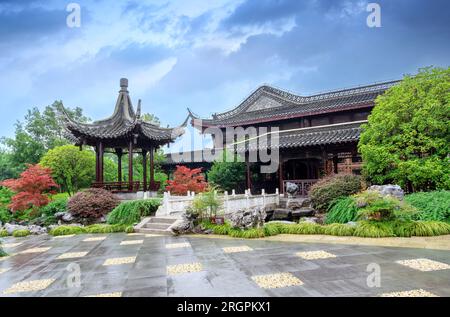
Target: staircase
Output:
{"points": [[155, 225]]}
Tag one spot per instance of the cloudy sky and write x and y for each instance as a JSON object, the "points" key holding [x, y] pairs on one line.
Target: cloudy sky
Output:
{"points": [[206, 55]]}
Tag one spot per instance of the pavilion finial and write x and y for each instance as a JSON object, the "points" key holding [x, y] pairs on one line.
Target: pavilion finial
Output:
{"points": [[138, 111], [123, 83]]}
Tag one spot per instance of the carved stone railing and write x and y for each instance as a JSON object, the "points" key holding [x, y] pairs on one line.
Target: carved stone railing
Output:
{"points": [[175, 206], [303, 185]]}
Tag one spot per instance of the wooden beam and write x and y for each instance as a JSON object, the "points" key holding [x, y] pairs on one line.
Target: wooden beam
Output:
{"points": [[249, 174]]}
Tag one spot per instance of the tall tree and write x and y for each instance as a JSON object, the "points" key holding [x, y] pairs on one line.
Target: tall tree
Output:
{"points": [[38, 133], [73, 169], [407, 138]]}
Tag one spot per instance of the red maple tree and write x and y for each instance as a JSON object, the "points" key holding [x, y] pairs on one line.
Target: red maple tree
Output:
{"points": [[31, 188], [186, 179]]}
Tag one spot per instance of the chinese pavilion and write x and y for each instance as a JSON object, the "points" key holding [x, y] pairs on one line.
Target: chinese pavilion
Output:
{"points": [[125, 133], [318, 134]]}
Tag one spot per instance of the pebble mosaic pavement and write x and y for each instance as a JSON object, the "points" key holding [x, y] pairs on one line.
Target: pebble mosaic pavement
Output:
{"points": [[118, 265]]}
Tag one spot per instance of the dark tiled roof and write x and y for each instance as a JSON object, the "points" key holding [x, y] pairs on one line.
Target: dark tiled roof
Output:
{"points": [[270, 104], [188, 157], [313, 136], [123, 123]]}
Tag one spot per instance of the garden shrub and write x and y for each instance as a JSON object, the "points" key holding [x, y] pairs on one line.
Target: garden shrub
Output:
{"points": [[92, 203], [21, 233], [338, 229], [430, 228], [206, 204], [3, 233], [97, 228], [186, 179], [342, 210], [373, 206], [227, 172], [66, 230], [330, 188], [373, 229], [431, 206], [247, 234], [128, 213], [55, 206], [5, 215], [101, 228], [129, 229]]}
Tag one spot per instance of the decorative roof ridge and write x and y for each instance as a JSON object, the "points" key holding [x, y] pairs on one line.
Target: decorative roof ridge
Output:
{"points": [[298, 99], [279, 132]]}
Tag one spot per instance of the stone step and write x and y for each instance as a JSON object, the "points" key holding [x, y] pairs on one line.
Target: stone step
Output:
{"points": [[162, 220], [154, 231], [155, 225]]}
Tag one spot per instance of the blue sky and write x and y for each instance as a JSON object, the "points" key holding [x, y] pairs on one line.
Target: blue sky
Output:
{"points": [[206, 55]]}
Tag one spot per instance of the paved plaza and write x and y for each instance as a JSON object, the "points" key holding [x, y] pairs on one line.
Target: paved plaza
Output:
{"points": [[150, 265]]}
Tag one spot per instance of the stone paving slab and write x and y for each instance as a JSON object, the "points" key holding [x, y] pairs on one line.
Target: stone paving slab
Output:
{"points": [[215, 267]]}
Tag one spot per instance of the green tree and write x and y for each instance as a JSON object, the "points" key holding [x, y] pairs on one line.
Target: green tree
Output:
{"points": [[151, 118], [407, 138], [73, 169], [227, 173], [8, 169], [38, 133]]}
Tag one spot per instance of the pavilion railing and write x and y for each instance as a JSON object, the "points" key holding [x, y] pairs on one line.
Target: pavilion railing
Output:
{"points": [[124, 187], [118, 187], [303, 185]]}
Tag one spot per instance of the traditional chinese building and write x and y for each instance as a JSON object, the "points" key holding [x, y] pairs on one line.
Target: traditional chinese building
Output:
{"points": [[318, 134], [124, 133]]}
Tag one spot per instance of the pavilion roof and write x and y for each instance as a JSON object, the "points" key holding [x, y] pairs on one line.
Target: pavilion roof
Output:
{"points": [[271, 104], [339, 133], [125, 123]]}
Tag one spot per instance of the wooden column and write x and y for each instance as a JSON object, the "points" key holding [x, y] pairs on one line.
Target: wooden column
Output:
{"points": [[144, 169], [119, 153], [101, 152], [335, 163], [324, 161], [130, 165], [97, 171], [249, 174], [280, 176], [152, 168]]}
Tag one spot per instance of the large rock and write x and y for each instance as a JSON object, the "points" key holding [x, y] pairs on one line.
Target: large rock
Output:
{"points": [[282, 214], [34, 229], [389, 190], [64, 217], [303, 212], [247, 219], [314, 220], [10, 228], [291, 189], [183, 225], [297, 203]]}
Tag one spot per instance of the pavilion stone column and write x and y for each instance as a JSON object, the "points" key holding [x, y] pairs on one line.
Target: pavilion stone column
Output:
{"points": [[144, 165], [130, 165]]}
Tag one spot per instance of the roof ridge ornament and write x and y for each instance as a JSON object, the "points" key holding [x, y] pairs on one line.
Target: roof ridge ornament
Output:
{"points": [[123, 84], [138, 111]]}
